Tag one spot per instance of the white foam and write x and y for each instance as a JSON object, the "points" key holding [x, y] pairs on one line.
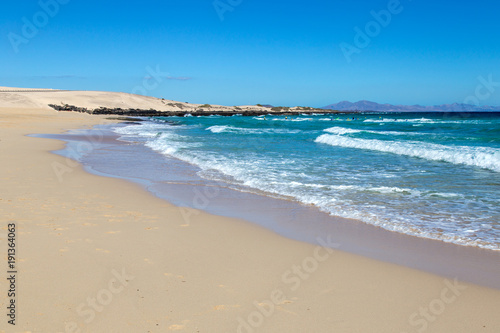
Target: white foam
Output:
{"points": [[147, 129], [394, 120], [290, 118], [230, 129], [483, 157], [393, 190], [344, 130], [341, 130], [443, 195], [218, 129], [385, 120], [427, 121]]}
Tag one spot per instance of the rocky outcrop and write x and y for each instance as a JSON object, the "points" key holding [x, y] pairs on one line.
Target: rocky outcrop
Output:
{"points": [[200, 112], [67, 107]]}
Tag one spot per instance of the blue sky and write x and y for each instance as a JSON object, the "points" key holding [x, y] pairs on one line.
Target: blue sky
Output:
{"points": [[276, 52]]}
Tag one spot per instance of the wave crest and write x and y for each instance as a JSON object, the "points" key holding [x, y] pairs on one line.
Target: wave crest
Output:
{"points": [[486, 158]]}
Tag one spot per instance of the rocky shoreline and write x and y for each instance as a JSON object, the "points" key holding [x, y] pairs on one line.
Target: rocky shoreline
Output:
{"points": [[199, 112]]}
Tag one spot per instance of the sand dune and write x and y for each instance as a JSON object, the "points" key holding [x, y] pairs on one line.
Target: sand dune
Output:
{"points": [[41, 98]]}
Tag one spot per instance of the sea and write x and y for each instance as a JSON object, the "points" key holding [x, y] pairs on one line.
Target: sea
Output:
{"points": [[429, 175]]}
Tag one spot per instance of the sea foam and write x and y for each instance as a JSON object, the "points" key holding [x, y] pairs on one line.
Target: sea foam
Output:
{"points": [[483, 157]]}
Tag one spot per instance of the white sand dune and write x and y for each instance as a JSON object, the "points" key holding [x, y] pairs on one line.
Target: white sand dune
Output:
{"points": [[41, 98]]}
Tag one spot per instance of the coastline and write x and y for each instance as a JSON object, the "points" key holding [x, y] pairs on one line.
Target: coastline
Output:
{"points": [[77, 235], [178, 182]]}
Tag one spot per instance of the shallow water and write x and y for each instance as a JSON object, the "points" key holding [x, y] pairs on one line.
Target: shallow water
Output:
{"points": [[431, 175]]}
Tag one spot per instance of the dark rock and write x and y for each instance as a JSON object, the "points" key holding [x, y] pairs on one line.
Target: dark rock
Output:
{"points": [[156, 113]]}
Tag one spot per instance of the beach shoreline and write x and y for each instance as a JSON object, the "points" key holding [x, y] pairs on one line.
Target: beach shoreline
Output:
{"points": [[80, 236], [284, 216]]}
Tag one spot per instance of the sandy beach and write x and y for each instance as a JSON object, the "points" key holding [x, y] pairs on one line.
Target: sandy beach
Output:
{"points": [[97, 254]]}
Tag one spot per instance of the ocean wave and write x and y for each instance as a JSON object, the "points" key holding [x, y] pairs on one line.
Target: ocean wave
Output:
{"points": [[427, 121], [290, 118], [219, 129], [345, 208], [390, 190], [343, 130], [486, 158], [147, 129], [356, 188], [392, 120], [240, 130], [170, 143], [395, 190]]}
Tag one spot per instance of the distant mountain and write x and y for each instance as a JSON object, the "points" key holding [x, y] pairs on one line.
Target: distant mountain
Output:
{"points": [[372, 106]]}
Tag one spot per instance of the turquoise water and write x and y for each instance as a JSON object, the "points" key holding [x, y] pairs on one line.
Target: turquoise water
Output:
{"points": [[431, 175]]}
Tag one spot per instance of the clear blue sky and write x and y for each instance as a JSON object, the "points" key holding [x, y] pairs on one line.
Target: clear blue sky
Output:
{"points": [[276, 52]]}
